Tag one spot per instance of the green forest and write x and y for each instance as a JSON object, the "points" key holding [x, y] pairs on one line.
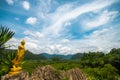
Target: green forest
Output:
{"points": [[96, 65]]}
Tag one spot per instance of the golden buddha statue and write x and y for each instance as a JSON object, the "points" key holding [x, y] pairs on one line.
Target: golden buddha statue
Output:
{"points": [[18, 59]]}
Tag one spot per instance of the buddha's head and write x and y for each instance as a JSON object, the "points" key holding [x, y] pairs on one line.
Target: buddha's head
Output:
{"points": [[23, 42]]}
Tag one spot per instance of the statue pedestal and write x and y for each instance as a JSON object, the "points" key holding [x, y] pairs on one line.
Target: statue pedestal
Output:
{"points": [[14, 70]]}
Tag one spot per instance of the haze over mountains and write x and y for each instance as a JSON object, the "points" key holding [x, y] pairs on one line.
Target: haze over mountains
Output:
{"points": [[30, 55], [47, 56]]}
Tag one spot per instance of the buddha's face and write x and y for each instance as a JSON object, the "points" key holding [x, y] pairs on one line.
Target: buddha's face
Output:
{"points": [[23, 42]]}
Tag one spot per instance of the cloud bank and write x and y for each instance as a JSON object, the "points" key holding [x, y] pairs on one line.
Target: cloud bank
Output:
{"points": [[92, 22]]}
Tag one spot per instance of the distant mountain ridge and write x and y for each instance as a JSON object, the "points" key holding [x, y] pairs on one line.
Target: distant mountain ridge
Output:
{"points": [[49, 56], [46, 56]]}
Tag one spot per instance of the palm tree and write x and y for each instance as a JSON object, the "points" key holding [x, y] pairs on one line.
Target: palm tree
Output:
{"points": [[5, 58], [5, 35]]}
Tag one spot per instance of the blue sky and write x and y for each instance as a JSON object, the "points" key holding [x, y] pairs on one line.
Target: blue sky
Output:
{"points": [[63, 26]]}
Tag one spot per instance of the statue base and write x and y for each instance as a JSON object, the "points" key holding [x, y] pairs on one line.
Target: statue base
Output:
{"points": [[14, 71]]}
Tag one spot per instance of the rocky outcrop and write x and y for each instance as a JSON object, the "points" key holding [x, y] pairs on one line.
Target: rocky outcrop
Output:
{"points": [[73, 74], [45, 73], [48, 73], [22, 76], [76, 74]]}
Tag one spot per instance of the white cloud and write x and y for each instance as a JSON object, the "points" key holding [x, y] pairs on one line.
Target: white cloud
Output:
{"points": [[49, 38], [100, 40], [10, 2], [31, 20], [65, 40], [59, 49], [36, 35], [13, 43], [105, 39], [103, 18], [57, 27], [60, 19], [67, 24], [26, 5]]}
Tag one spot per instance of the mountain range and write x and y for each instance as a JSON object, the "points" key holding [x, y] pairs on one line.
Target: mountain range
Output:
{"points": [[46, 56]]}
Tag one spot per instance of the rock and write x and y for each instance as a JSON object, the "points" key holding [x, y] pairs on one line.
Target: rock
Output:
{"points": [[76, 74], [45, 73], [48, 73], [21, 76]]}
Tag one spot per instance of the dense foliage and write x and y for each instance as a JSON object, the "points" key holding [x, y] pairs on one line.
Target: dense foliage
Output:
{"points": [[5, 35], [102, 66], [5, 58], [77, 56], [96, 65]]}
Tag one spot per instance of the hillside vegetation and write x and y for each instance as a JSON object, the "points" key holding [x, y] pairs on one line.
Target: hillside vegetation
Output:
{"points": [[96, 65]]}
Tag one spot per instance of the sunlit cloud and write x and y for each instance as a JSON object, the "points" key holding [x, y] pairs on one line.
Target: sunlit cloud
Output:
{"points": [[57, 26], [10, 2], [31, 20], [102, 19], [26, 5]]}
